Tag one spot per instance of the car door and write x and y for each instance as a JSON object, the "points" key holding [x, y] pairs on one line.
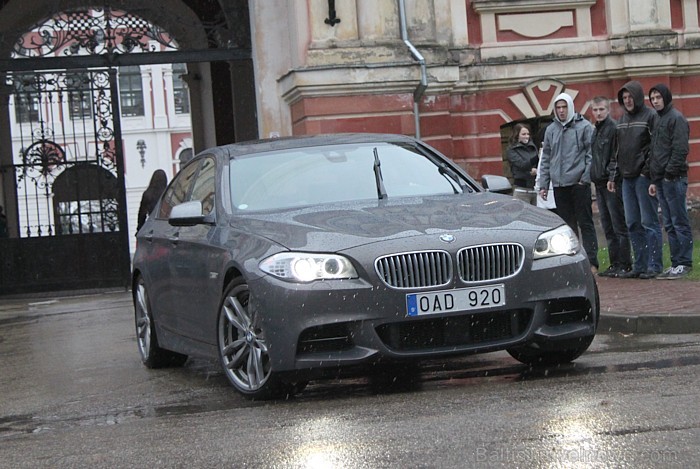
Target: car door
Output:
{"points": [[161, 239], [196, 261]]}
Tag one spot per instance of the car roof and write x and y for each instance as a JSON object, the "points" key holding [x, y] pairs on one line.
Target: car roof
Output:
{"points": [[284, 143]]}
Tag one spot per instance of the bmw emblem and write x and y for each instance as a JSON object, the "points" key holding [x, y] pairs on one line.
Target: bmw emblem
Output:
{"points": [[447, 238]]}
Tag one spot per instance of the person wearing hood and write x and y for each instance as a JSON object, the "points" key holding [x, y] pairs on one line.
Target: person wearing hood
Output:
{"points": [[566, 163], [631, 161], [668, 166], [523, 157]]}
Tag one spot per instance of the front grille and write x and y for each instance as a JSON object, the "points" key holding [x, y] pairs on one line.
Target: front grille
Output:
{"points": [[415, 269], [456, 331], [490, 262]]}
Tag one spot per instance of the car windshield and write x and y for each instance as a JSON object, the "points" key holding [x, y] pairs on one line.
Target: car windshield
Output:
{"points": [[337, 173]]}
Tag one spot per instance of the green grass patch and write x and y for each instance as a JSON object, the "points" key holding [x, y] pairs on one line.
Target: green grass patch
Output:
{"points": [[604, 261]]}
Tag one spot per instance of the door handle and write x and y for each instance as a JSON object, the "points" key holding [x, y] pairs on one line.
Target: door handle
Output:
{"points": [[175, 238]]}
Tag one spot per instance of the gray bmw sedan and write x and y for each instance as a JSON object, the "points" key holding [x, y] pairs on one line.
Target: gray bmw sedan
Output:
{"points": [[292, 259]]}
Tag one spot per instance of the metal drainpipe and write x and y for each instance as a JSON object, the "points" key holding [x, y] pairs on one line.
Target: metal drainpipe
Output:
{"points": [[420, 89]]}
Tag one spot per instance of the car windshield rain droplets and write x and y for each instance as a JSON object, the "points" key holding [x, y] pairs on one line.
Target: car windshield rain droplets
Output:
{"points": [[338, 173]]}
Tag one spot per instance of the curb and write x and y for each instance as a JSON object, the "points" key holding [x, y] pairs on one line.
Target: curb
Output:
{"points": [[677, 323]]}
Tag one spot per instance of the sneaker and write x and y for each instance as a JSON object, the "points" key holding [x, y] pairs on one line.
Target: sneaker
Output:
{"points": [[594, 270], [649, 274], [665, 274], [629, 274], [621, 271], [611, 271], [680, 271]]}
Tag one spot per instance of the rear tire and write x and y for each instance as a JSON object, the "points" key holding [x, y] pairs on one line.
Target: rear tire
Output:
{"points": [[151, 354]]}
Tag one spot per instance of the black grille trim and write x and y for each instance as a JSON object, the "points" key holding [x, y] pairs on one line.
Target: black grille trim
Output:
{"points": [[455, 331], [415, 269], [325, 338], [490, 262], [568, 311]]}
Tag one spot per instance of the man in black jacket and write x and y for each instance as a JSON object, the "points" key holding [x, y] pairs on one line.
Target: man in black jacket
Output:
{"points": [[669, 176], [632, 163], [610, 206]]}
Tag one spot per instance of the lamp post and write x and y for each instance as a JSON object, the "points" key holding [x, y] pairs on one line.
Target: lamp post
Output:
{"points": [[141, 147]]}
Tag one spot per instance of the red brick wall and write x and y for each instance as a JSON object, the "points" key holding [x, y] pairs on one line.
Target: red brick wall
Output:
{"points": [[467, 127]]}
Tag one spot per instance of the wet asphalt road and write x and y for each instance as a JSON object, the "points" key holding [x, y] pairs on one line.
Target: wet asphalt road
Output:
{"points": [[73, 393]]}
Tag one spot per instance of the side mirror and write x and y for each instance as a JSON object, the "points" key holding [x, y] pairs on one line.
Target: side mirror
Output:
{"points": [[188, 214], [498, 184]]}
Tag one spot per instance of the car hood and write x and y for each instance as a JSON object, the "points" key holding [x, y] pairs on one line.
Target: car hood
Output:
{"points": [[336, 227]]}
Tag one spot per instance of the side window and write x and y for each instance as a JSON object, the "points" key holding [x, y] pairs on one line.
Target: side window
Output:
{"points": [[205, 185], [178, 190]]}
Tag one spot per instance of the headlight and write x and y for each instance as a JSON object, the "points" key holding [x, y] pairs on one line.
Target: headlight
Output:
{"points": [[307, 267], [558, 242]]}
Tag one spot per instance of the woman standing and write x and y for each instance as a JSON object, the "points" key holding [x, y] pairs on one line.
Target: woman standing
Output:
{"points": [[151, 195], [523, 158]]}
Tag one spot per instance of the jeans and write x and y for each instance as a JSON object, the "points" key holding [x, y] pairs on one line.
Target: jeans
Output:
{"points": [[642, 216], [612, 218], [672, 197], [574, 207]]}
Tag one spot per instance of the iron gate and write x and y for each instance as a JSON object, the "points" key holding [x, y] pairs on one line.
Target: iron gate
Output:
{"points": [[69, 179]]}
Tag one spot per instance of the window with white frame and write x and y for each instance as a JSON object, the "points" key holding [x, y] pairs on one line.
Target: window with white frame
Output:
{"points": [[131, 91], [180, 91]]}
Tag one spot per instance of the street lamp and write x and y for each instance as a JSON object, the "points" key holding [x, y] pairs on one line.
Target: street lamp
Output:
{"points": [[141, 147]]}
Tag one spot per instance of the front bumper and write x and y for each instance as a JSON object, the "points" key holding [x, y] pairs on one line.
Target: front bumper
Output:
{"points": [[336, 324]]}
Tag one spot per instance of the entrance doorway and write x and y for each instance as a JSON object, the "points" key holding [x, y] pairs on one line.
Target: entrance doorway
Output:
{"points": [[65, 180], [69, 183]]}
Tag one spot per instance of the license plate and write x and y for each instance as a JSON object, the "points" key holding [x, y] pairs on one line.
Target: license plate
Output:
{"points": [[462, 299]]}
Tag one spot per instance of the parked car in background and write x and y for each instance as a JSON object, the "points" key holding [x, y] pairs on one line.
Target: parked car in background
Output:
{"points": [[290, 259]]}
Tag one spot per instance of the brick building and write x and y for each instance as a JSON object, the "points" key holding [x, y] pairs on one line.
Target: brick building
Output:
{"points": [[457, 73]]}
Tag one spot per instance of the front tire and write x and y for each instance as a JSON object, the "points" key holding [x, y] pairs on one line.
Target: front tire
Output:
{"points": [[540, 358], [151, 354], [543, 358], [243, 348]]}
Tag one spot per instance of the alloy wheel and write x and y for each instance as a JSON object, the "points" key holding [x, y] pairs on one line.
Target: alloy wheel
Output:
{"points": [[242, 345]]}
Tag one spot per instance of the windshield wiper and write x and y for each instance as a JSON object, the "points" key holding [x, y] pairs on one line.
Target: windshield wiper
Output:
{"points": [[381, 190], [449, 173]]}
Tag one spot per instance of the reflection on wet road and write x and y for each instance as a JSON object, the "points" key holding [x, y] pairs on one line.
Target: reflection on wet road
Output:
{"points": [[74, 393]]}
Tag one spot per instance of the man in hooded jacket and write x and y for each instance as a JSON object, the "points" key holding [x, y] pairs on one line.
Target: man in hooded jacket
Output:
{"points": [[566, 163], [669, 179], [631, 161]]}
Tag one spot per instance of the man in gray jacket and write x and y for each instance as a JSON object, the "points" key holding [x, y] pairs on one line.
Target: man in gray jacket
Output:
{"points": [[566, 162], [668, 166]]}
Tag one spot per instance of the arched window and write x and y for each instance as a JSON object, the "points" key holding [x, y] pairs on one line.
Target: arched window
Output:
{"points": [[85, 200]]}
